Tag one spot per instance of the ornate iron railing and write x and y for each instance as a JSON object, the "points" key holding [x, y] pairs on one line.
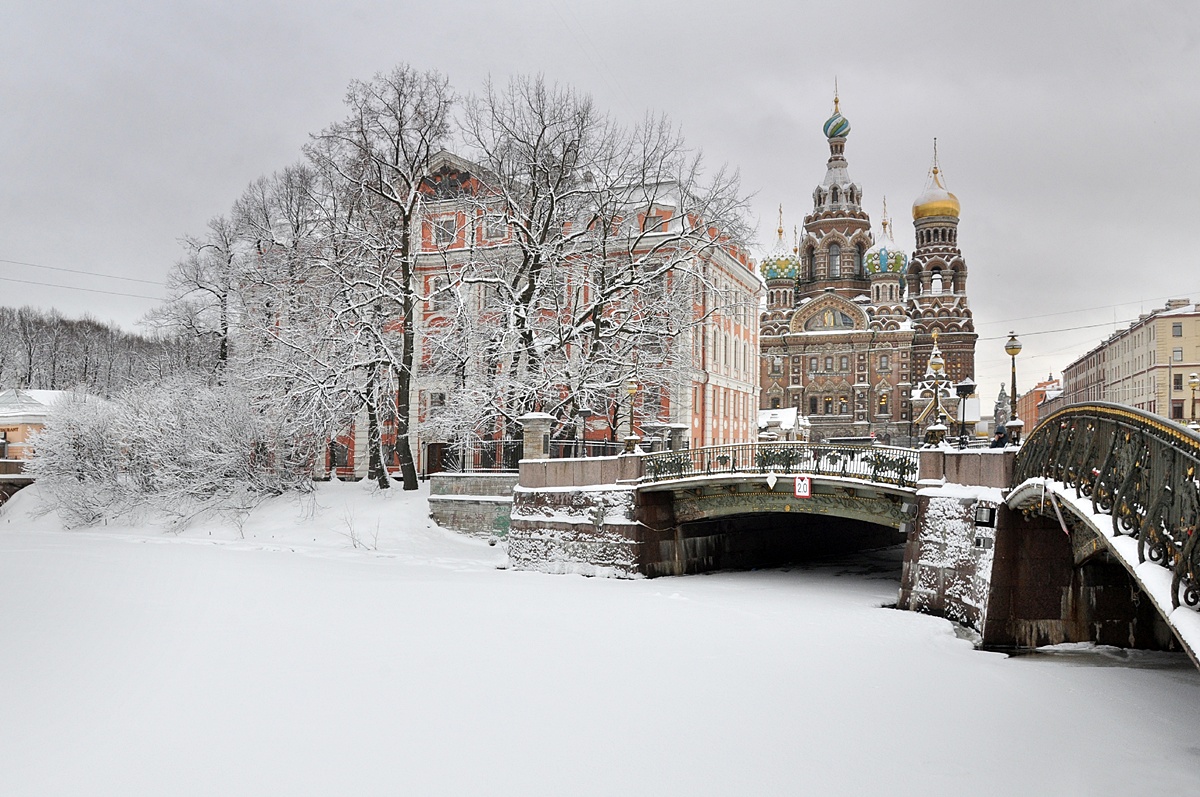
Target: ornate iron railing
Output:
{"points": [[1139, 468], [883, 464]]}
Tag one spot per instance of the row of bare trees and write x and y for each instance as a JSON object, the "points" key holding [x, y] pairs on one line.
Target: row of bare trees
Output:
{"points": [[43, 350]]}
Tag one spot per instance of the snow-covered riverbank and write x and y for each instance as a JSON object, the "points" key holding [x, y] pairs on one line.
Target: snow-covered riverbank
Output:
{"points": [[345, 645]]}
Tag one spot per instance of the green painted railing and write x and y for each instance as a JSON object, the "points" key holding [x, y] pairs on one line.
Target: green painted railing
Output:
{"points": [[882, 464]]}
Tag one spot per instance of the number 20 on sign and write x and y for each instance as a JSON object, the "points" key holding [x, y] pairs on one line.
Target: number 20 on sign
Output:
{"points": [[803, 487]]}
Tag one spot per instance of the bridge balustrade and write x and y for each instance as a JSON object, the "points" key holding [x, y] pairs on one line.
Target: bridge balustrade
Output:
{"points": [[883, 464], [1137, 467]]}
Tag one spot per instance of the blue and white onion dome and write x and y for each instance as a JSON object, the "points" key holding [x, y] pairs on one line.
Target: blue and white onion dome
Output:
{"points": [[836, 126], [781, 263], [886, 256]]}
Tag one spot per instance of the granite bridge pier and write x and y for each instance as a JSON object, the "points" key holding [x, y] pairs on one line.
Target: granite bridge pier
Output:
{"points": [[1085, 533]]}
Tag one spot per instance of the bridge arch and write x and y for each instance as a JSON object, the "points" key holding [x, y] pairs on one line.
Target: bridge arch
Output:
{"points": [[1123, 485]]}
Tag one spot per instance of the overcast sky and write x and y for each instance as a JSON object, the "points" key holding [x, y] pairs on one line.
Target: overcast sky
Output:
{"points": [[1067, 130]]}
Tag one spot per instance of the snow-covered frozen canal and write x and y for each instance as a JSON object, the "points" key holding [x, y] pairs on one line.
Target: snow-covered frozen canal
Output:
{"points": [[290, 662]]}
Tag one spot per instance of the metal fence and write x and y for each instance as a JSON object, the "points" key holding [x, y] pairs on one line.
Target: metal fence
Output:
{"points": [[1137, 467], [882, 464], [476, 455]]}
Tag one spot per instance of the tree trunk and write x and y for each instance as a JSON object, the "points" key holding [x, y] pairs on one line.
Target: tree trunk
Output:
{"points": [[375, 468], [408, 467]]}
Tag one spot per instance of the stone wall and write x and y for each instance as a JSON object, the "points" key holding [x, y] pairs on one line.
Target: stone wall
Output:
{"points": [[591, 532], [948, 559], [476, 503]]}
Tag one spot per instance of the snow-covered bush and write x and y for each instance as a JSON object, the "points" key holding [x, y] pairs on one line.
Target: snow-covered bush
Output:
{"points": [[181, 447]]}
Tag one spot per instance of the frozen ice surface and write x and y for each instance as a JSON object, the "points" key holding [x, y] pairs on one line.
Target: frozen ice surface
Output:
{"points": [[281, 659]]}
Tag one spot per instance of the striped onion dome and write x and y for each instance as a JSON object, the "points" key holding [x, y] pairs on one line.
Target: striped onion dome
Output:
{"points": [[836, 126], [781, 263], [886, 256]]}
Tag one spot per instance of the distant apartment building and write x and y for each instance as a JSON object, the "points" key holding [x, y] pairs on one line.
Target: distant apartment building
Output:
{"points": [[1031, 405], [1148, 365]]}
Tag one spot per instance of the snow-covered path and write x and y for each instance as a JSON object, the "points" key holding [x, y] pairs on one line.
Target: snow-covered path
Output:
{"points": [[135, 663]]}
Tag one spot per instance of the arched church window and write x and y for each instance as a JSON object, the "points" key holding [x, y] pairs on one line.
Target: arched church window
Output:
{"points": [[833, 194], [835, 261], [936, 283], [844, 364], [829, 405], [883, 404], [843, 405]]}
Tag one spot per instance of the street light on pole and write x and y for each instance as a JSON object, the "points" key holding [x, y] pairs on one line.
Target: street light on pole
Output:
{"points": [[965, 389], [631, 387], [1012, 348], [1194, 384]]}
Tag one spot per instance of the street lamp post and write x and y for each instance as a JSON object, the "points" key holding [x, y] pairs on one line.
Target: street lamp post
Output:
{"points": [[965, 389], [1194, 384], [584, 413], [1012, 348], [631, 387]]}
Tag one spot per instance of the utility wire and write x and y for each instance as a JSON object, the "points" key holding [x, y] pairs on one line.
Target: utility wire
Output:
{"points": [[77, 271], [1060, 329], [76, 288], [1089, 309]]}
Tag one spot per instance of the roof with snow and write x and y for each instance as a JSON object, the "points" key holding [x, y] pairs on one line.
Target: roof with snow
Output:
{"points": [[17, 403]]}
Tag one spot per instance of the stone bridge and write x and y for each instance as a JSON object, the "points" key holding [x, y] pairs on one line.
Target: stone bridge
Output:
{"points": [[1086, 533]]}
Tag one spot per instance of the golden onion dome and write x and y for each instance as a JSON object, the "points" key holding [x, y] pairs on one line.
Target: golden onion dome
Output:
{"points": [[936, 200]]}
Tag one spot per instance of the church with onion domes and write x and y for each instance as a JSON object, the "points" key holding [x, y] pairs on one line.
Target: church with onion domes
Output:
{"points": [[864, 339]]}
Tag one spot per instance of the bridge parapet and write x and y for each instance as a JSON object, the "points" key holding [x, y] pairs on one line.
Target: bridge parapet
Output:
{"points": [[880, 464], [1141, 469]]}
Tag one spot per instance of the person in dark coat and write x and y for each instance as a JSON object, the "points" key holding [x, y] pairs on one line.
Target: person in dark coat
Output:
{"points": [[1000, 440]]}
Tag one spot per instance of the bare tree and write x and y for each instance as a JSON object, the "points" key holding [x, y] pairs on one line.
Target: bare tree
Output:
{"points": [[380, 156], [604, 279]]}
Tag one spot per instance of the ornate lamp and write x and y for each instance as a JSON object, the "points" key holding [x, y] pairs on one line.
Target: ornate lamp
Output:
{"points": [[631, 387], [1012, 348], [965, 389]]}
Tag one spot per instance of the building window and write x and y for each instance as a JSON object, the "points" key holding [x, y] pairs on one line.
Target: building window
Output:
{"points": [[494, 227], [812, 405], [440, 295], [1177, 409], [812, 364], [1177, 355], [437, 400], [775, 403], [445, 230], [883, 404], [843, 405], [829, 405], [828, 363], [844, 364], [835, 261], [1177, 382], [1177, 329], [884, 362]]}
